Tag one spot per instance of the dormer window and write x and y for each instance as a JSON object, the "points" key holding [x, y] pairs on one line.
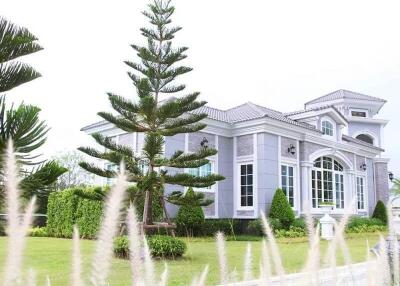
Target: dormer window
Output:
{"points": [[358, 113], [327, 128]]}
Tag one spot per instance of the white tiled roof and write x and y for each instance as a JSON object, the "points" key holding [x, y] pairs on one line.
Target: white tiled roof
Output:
{"points": [[248, 111], [342, 94]]}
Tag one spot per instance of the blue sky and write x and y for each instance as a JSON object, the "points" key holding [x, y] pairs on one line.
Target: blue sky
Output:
{"points": [[275, 53]]}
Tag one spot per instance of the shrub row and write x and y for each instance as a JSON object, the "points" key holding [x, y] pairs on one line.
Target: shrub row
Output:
{"points": [[211, 226], [66, 209], [159, 245]]}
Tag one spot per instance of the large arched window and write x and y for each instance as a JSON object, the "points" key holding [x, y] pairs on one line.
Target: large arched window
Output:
{"points": [[327, 128], [327, 182], [366, 138]]}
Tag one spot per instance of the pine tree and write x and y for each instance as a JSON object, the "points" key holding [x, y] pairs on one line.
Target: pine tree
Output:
{"points": [[22, 123], [15, 42], [155, 115]]}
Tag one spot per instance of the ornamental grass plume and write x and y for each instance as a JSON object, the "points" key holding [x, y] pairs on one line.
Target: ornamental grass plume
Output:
{"points": [[265, 266], [248, 261], [223, 265], [276, 257], [17, 228], [76, 260], [104, 247], [135, 247]]}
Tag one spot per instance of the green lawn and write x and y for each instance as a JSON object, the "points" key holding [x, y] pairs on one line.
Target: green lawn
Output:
{"points": [[50, 256]]}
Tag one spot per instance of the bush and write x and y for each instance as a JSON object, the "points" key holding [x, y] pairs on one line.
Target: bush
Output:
{"points": [[159, 245], [65, 209], [380, 212], [190, 218], [280, 209], [228, 226], [38, 232], [88, 217], [359, 221], [292, 232], [61, 211], [255, 227], [367, 228], [300, 223]]}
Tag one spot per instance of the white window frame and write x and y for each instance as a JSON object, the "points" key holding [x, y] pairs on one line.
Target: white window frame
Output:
{"points": [[334, 173], [294, 166], [325, 119], [364, 191], [359, 110], [239, 184]]}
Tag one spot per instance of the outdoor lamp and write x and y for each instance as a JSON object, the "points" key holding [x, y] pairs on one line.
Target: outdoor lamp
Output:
{"points": [[204, 143], [363, 167], [391, 176], [292, 149]]}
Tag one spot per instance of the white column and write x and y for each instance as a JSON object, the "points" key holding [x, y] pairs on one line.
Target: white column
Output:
{"points": [[306, 186]]}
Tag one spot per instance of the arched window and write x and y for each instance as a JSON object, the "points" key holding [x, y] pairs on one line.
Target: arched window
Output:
{"points": [[327, 182], [327, 128], [366, 138]]}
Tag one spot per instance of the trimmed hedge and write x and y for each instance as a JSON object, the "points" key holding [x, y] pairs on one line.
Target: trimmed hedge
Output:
{"points": [[65, 209], [61, 213], [38, 232], [159, 245], [380, 212], [280, 209]]}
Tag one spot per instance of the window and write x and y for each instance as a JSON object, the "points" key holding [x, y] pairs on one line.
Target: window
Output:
{"points": [[327, 182], [110, 167], [327, 128], [287, 177], [357, 113], [246, 185], [360, 193], [202, 171], [366, 138]]}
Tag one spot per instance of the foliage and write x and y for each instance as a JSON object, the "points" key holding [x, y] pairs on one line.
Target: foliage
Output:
{"points": [[38, 232], [155, 116], [189, 199], [356, 221], [190, 215], [396, 186], [61, 213], [380, 212], [280, 209], [88, 216], [166, 246], [364, 228], [227, 226], [15, 42], [22, 123], [75, 176], [159, 245], [67, 209], [292, 232]]}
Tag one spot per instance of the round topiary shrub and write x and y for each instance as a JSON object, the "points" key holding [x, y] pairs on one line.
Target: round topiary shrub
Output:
{"points": [[281, 210], [190, 218], [380, 212], [159, 245]]}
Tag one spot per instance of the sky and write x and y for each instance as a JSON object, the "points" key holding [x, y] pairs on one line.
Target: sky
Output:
{"points": [[279, 54]]}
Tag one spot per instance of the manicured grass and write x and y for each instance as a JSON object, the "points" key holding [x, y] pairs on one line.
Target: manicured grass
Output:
{"points": [[50, 256]]}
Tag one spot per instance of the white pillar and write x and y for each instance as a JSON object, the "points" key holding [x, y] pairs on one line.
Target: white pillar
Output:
{"points": [[306, 186]]}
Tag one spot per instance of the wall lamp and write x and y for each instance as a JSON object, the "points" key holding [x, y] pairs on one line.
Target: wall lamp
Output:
{"points": [[363, 167], [391, 176], [292, 149], [204, 143]]}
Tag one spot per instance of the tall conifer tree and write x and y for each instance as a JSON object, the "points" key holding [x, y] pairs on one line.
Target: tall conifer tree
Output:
{"points": [[158, 113]]}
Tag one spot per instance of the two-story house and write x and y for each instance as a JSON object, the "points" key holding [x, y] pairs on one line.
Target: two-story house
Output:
{"points": [[328, 152]]}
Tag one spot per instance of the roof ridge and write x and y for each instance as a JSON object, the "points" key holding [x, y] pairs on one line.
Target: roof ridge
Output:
{"points": [[341, 94]]}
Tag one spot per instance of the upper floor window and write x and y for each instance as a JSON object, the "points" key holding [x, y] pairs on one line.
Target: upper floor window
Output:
{"points": [[327, 128], [358, 113], [366, 138]]}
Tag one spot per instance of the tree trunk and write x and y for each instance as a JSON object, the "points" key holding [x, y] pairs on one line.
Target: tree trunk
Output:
{"points": [[148, 209]]}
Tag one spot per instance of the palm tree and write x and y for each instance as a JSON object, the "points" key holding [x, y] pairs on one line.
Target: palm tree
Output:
{"points": [[15, 42]]}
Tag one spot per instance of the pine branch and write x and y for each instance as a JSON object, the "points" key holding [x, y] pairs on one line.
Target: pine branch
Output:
{"points": [[183, 129], [14, 74], [123, 123], [188, 180]]}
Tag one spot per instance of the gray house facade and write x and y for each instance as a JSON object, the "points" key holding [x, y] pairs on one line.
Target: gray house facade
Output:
{"points": [[331, 151]]}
